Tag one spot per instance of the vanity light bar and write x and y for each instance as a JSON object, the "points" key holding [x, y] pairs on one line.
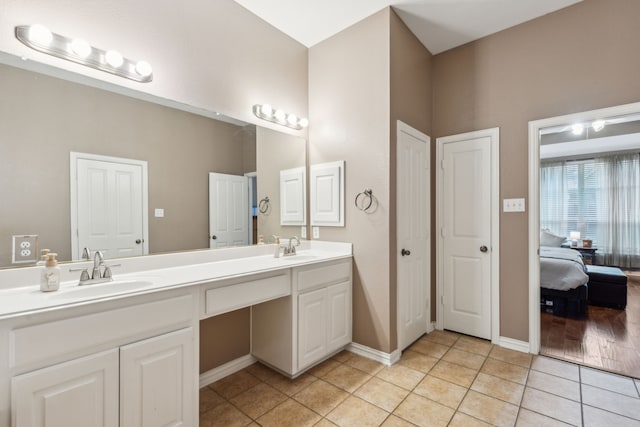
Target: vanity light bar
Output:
{"points": [[41, 39], [268, 113]]}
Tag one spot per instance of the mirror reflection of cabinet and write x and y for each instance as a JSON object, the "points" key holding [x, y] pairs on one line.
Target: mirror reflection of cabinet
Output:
{"points": [[293, 196], [327, 194]]}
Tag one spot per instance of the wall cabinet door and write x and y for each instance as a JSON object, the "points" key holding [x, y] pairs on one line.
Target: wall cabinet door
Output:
{"points": [[312, 329], [79, 393], [156, 381], [339, 316]]}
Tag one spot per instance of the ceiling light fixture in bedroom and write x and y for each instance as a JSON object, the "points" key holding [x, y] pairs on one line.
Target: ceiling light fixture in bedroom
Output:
{"points": [[38, 37]]}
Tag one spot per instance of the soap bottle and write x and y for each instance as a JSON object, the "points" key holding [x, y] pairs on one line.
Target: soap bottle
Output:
{"points": [[260, 240], [50, 275], [276, 254], [43, 257]]}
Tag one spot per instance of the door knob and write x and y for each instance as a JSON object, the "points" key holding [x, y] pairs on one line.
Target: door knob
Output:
{"points": [[405, 252], [483, 248], [138, 241], [214, 237]]}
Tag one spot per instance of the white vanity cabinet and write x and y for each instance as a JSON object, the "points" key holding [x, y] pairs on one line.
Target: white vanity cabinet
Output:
{"points": [[131, 366], [78, 393], [292, 334]]}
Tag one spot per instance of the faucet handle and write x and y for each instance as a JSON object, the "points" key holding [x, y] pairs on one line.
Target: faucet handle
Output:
{"points": [[107, 271]]}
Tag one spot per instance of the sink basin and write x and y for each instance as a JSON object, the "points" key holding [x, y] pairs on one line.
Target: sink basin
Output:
{"points": [[101, 289], [299, 258]]}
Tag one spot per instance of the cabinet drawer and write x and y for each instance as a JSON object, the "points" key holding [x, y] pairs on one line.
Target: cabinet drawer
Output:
{"points": [[39, 344], [239, 294], [313, 276]]}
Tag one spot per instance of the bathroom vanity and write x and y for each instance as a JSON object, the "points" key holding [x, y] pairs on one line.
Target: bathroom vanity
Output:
{"points": [[125, 353]]}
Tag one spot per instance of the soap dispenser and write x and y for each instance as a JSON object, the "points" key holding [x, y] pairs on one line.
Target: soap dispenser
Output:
{"points": [[50, 275], [276, 254], [43, 257]]}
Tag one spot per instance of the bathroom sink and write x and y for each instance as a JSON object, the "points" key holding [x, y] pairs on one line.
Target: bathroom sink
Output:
{"points": [[117, 286], [299, 257]]}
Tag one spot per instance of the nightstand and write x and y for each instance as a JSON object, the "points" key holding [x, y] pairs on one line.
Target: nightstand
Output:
{"points": [[588, 254]]}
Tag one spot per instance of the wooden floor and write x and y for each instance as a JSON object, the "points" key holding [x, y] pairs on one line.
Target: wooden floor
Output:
{"points": [[606, 338]]}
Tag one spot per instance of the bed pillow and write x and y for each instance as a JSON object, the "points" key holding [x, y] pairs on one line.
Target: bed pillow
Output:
{"points": [[549, 239]]}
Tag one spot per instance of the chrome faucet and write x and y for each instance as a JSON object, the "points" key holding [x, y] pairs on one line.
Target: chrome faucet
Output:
{"points": [[290, 250], [98, 261], [98, 275]]}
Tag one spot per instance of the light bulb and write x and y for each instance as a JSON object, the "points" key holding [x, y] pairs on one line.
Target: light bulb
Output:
{"points": [[304, 122], [598, 125], [280, 115], [114, 58], [577, 129], [143, 68], [80, 48], [292, 119], [267, 110], [40, 34]]}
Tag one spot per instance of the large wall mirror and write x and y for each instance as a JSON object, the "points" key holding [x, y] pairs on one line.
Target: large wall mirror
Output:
{"points": [[585, 220], [46, 121]]}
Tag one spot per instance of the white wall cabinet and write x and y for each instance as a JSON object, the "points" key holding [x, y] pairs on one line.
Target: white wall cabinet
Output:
{"points": [[327, 194], [292, 334]]}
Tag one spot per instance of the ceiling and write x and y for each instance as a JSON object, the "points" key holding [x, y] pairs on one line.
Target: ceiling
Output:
{"points": [[439, 24]]}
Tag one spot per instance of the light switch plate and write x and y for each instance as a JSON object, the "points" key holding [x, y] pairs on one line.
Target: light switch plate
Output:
{"points": [[159, 213], [513, 205], [316, 232], [24, 249], [303, 232]]}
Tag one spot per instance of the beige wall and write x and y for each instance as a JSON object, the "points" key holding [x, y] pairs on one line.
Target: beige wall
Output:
{"points": [[224, 338], [411, 104], [349, 104], [214, 55], [275, 152], [579, 58], [46, 118], [360, 82]]}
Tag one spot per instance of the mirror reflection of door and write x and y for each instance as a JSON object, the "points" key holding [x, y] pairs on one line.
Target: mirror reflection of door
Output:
{"points": [[109, 207], [228, 208]]}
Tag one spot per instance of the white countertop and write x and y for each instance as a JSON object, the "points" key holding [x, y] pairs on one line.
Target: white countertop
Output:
{"points": [[22, 300]]}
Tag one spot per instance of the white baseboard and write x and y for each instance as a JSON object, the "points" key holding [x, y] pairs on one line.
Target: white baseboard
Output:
{"points": [[373, 354], [512, 344], [228, 368], [431, 326]]}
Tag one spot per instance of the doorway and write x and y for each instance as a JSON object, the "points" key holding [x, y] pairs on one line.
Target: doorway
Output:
{"points": [[108, 206], [468, 227], [601, 336], [413, 234]]}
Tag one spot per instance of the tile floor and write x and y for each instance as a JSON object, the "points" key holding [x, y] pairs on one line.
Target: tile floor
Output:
{"points": [[442, 379]]}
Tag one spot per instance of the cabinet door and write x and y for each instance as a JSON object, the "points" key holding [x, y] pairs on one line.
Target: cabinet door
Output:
{"points": [[157, 386], [79, 393], [339, 316], [312, 327]]}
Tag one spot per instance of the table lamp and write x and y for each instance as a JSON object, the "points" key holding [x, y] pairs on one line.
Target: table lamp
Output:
{"points": [[574, 236]]}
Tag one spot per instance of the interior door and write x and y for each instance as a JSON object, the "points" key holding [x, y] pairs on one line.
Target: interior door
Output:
{"points": [[413, 239], [228, 207], [110, 207], [466, 232]]}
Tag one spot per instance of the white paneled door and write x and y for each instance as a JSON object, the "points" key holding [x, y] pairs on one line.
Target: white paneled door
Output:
{"points": [[228, 208], [466, 221], [108, 206], [413, 237]]}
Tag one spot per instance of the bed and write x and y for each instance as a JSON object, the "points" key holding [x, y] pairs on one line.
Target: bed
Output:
{"points": [[561, 269], [563, 282]]}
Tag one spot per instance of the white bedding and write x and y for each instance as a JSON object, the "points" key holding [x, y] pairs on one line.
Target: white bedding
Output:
{"points": [[561, 269]]}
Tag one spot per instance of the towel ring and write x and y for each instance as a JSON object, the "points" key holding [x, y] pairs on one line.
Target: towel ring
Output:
{"points": [[264, 205], [364, 200]]}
